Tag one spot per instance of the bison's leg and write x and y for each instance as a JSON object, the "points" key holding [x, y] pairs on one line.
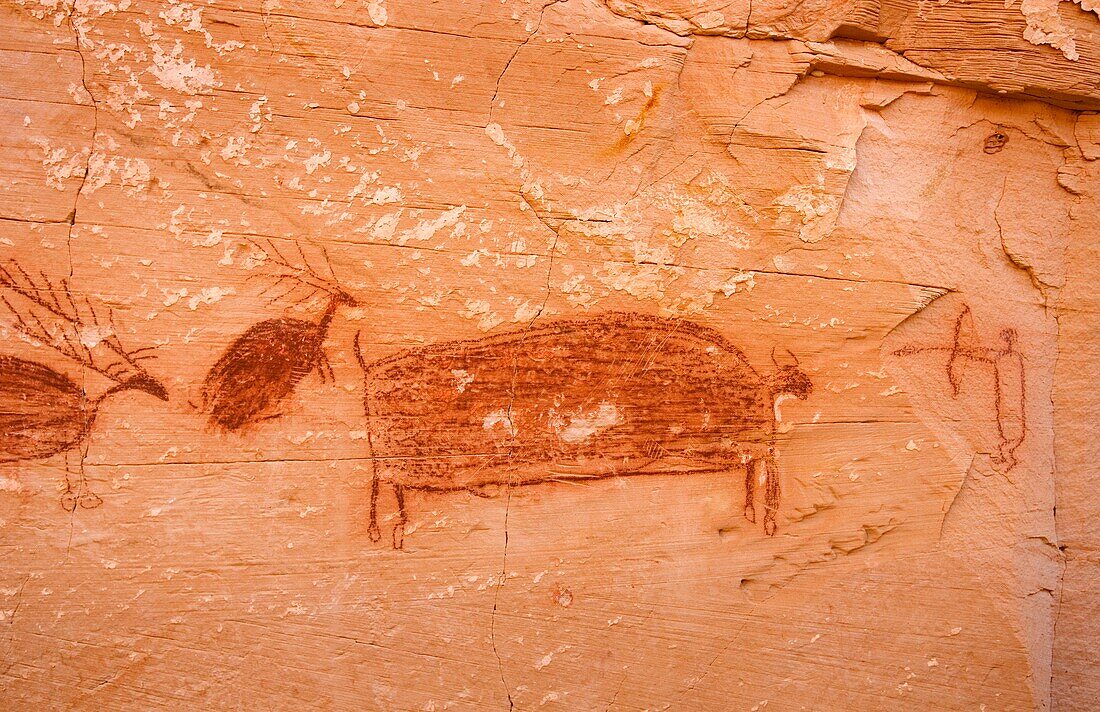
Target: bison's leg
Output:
{"points": [[372, 530], [771, 492], [68, 496], [750, 489], [402, 517]]}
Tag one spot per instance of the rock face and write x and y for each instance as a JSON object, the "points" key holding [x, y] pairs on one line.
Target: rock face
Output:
{"points": [[562, 355]]}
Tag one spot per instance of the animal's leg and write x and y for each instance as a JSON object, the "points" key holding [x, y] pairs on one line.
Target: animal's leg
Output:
{"points": [[402, 517], [771, 492], [324, 367], [750, 489], [86, 497], [372, 530], [68, 497]]}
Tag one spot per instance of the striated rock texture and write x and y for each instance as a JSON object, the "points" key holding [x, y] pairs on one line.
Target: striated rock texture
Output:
{"points": [[566, 355]]}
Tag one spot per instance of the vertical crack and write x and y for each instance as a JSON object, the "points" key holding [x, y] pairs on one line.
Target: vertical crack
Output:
{"points": [[1014, 260], [1064, 561], [18, 602], [265, 19], [955, 496], [78, 48], [717, 656], [11, 625], [496, 600], [95, 129], [553, 252], [614, 697], [509, 412], [1063, 553], [519, 48], [512, 431]]}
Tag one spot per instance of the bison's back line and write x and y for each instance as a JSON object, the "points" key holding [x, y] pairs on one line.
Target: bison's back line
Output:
{"points": [[563, 326]]}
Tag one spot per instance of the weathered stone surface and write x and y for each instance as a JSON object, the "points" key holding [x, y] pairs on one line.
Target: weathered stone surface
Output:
{"points": [[1048, 49], [895, 203]]}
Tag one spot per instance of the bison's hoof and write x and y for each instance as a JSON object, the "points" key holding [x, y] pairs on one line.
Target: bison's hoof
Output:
{"points": [[89, 500], [769, 526], [399, 537], [750, 513], [68, 501], [374, 532]]}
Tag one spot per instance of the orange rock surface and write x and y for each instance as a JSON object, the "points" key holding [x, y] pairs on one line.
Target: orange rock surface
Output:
{"points": [[563, 355]]}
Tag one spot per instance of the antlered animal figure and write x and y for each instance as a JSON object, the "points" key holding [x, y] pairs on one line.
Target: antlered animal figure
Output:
{"points": [[44, 412], [617, 394]]}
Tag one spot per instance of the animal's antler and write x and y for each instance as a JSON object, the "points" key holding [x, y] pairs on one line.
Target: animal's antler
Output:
{"points": [[298, 271], [54, 302]]}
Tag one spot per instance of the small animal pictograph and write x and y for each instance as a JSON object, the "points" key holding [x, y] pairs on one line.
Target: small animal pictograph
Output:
{"points": [[44, 412], [574, 399], [260, 369]]}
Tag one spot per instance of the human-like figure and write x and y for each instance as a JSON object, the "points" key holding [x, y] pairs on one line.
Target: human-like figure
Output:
{"points": [[1006, 365]]}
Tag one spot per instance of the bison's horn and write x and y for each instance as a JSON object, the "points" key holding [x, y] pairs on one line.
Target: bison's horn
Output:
{"points": [[793, 359]]}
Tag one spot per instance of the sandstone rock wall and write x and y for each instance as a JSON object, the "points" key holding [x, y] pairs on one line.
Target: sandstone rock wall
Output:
{"points": [[894, 200]]}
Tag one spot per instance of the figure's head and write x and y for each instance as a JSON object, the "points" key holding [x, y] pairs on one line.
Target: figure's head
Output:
{"points": [[146, 384], [344, 299], [337, 298], [790, 381]]}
